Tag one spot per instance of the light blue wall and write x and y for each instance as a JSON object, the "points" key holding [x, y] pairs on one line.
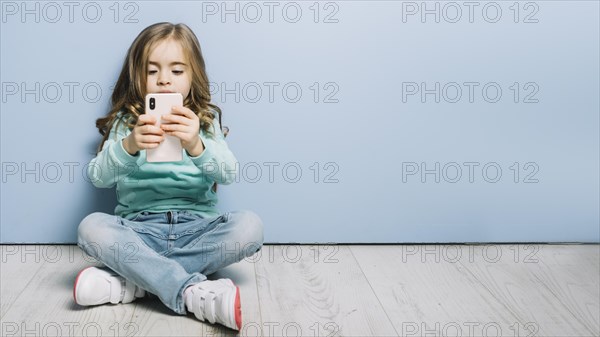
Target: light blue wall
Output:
{"points": [[364, 131]]}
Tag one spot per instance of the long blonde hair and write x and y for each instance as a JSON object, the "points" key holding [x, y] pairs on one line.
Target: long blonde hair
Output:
{"points": [[130, 89]]}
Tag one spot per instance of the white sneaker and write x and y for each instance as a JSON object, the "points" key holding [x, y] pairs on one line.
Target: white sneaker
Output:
{"points": [[215, 301], [95, 286]]}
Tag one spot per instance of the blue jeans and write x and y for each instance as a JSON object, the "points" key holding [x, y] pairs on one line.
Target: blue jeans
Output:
{"points": [[163, 253]]}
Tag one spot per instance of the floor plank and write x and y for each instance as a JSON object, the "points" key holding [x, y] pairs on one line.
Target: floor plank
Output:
{"points": [[18, 267], [153, 318], [426, 292], [46, 305], [551, 286], [317, 291], [572, 273]]}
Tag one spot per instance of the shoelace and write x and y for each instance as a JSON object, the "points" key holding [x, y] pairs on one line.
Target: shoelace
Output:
{"points": [[204, 305]]}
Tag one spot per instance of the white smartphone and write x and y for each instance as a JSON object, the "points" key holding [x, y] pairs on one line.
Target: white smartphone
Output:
{"points": [[170, 149]]}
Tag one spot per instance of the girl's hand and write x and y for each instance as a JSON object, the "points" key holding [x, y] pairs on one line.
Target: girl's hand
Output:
{"points": [[145, 135], [184, 124]]}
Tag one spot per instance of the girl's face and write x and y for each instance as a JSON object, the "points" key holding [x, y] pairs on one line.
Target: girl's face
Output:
{"points": [[168, 69]]}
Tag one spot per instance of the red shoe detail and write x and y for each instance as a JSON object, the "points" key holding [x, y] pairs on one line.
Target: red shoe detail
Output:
{"points": [[76, 281], [238, 309]]}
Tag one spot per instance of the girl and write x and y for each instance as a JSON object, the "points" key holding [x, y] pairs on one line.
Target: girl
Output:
{"points": [[166, 234]]}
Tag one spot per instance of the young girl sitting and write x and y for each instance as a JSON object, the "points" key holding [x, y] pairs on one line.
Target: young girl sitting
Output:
{"points": [[166, 234]]}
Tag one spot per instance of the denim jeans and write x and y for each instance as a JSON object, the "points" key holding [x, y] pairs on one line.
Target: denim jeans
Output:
{"points": [[163, 253]]}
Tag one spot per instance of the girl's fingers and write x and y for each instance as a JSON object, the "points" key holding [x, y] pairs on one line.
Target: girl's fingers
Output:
{"points": [[149, 145], [186, 112], [151, 139], [178, 134], [146, 119], [176, 119], [151, 129], [174, 127], [183, 111]]}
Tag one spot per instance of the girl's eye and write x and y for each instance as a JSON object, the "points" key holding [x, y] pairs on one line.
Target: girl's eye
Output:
{"points": [[177, 72], [152, 72]]}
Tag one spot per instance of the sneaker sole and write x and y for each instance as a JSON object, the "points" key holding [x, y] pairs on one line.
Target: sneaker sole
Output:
{"points": [[235, 317], [77, 282], [238, 308]]}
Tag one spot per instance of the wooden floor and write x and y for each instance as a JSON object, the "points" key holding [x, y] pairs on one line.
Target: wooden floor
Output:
{"points": [[334, 290]]}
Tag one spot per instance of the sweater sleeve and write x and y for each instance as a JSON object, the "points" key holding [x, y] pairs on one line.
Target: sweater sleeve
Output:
{"points": [[113, 163], [216, 161]]}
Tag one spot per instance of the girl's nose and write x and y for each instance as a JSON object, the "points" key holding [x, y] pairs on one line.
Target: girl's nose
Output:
{"points": [[163, 79]]}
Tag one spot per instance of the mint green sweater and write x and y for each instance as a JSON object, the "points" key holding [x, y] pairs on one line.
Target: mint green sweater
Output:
{"points": [[160, 187]]}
